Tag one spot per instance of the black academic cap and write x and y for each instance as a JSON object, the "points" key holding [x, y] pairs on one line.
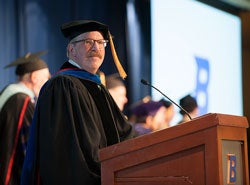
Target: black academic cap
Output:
{"points": [[28, 63], [72, 29]]}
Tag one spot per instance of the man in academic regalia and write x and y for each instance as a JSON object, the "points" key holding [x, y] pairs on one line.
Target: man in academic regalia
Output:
{"points": [[75, 114], [17, 105]]}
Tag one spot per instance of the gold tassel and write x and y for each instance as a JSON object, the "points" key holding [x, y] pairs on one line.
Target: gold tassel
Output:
{"points": [[116, 60]]}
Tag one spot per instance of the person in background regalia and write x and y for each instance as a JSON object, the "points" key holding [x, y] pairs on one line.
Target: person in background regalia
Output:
{"points": [[17, 104]]}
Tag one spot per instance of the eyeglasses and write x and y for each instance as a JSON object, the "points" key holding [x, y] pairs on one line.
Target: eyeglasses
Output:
{"points": [[90, 42]]}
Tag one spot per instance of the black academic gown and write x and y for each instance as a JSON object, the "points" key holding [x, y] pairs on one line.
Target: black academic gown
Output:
{"points": [[74, 119], [15, 119]]}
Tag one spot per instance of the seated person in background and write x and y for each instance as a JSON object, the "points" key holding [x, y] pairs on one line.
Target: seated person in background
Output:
{"points": [[148, 117], [131, 115], [170, 113], [117, 89], [189, 103]]}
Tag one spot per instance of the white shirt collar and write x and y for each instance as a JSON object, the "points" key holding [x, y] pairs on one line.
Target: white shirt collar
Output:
{"points": [[74, 64]]}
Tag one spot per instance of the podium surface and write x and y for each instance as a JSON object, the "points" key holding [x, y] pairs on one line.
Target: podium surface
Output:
{"points": [[211, 150]]}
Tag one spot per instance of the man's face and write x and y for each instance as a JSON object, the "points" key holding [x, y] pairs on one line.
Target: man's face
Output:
{"points": [[88, 51]]}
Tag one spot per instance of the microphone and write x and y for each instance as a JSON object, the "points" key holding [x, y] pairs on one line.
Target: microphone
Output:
{"points": [[148, 84]]}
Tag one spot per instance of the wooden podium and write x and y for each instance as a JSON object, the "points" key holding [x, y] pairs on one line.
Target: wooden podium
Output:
{"points": [[209, 150]]}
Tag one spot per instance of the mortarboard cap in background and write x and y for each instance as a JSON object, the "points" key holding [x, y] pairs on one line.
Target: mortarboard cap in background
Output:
{"points": [[28, 63], [72, 29]]}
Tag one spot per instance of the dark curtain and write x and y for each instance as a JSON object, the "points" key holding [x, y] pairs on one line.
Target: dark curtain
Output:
{"points": [[9, 39], [34, 25], [138, 48]]}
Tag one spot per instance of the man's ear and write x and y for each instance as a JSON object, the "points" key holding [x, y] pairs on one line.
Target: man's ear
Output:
{"points": [[71, 49], [33, 77]]}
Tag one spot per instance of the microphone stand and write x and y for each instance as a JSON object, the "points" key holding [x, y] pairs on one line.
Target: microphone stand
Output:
{"points": [[147, 83]]}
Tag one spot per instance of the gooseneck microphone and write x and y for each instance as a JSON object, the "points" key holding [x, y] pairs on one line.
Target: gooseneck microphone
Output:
{"points": [[148, 84]]}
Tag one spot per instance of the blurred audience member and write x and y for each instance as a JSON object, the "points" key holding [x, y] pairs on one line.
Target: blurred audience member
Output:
{"points": [[189, 103], [17, 104], [117, 89], [170, 113], [131, 115], [148, 117]]}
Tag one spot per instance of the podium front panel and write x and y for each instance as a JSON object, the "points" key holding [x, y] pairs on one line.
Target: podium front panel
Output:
{"points": [[205, 150]]}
